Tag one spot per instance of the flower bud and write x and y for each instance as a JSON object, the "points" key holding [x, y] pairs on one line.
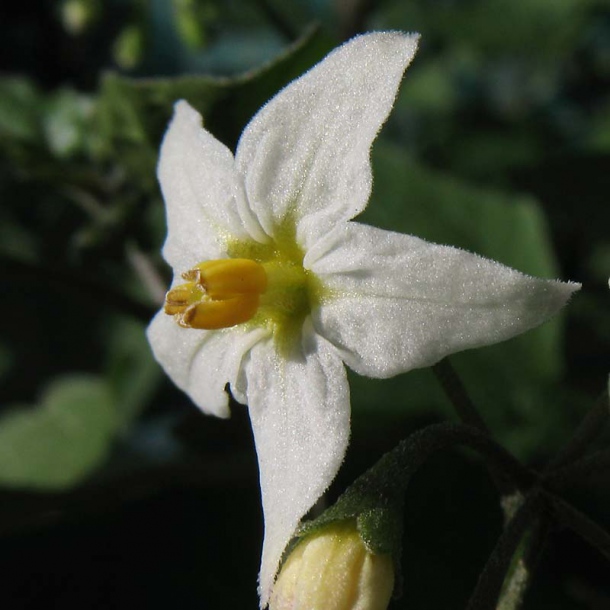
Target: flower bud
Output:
{"points": [[331, 569]]}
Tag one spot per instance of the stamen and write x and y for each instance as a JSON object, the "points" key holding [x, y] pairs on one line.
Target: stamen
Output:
{"points": [[229, 276], [218, 294], [183, 296], [211, 315]]}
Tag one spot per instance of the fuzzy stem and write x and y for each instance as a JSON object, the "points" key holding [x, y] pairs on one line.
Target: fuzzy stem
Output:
{"points": [[491, 579], [524, 564], [457, 394], [569, 516], [579, 470], [469, 414], [590, 427], [387, 481]]}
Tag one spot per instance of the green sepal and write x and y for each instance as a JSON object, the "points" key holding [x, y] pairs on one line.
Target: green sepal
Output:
{"points": [[376, 501], [378, 521]]}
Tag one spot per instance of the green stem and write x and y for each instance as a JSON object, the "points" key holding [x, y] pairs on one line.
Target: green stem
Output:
{"points": [[524, 564], [590, 427], [407, 458], [386, 482], [579, 470], [458, 396], [469, 414], [491, 580], [569, 516]]}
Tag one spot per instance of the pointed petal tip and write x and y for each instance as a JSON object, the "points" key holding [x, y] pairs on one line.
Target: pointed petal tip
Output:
{"points": [[562, 293], [183, 111], [573, 287], [185, 117], [391, 42]]}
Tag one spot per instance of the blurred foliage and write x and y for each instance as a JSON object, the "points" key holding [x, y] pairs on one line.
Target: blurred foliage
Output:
{"points": [[499, 143], [60, 441]]}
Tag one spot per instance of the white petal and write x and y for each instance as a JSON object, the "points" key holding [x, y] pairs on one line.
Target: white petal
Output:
{"points": [[306, 153], [405, 303], [201, 362], [203, 193], [299, 408]]}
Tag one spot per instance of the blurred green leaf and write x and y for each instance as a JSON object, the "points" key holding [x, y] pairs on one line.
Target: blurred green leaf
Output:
{"points": [[41, 131], [128, 47], [20, 107], [599, 135], [79, 15], [66, 122], [536, 28], [16, 241], [430, 87], [193, 19], [59, 442], [133, 374]]}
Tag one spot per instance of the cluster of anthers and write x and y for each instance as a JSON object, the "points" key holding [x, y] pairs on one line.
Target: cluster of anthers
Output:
{"points": [[217, 294]]}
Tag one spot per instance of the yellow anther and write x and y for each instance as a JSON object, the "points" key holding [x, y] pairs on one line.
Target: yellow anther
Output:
{"points": [[213, 314], [179, 298], [218, 294], [229, 276]]}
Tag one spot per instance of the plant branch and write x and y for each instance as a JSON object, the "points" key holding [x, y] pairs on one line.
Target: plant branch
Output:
{"points": [[489, 585], [388, 479], [569, 516], [457, 394], [578, 470], [590, 427], [524, 564], [469, 414], [414, 451]]}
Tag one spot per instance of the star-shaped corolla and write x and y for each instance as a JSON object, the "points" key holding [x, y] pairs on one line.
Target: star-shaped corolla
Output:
{"points": [[276, 288]]}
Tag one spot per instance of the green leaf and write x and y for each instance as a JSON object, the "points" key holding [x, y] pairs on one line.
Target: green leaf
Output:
{"points": [[534, 28], [67, 122], [58, 443], [133, 374], [20, 108]]}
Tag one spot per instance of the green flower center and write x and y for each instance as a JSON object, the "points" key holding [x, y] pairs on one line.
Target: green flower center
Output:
{"points": [[261, 285], [292, 291]]}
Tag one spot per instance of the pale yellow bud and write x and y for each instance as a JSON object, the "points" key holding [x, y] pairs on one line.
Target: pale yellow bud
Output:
{"points": [[332, 570]]}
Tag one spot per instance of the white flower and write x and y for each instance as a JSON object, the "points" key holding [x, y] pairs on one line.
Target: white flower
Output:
{"points": [[283, 288]]}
